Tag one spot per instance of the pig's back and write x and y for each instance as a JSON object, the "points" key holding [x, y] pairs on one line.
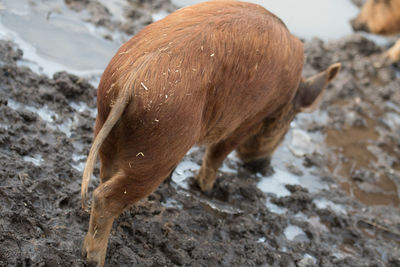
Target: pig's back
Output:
{"points": [[212, 65]]}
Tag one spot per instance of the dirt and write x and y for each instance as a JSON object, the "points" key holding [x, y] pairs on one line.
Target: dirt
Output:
{"points": [[137, 14], [46, 126]]}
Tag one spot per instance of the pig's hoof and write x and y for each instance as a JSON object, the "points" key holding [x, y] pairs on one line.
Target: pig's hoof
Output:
{"points": [[92, 263], [83, 252], [93, 258], [262, 166], [204, 184]]}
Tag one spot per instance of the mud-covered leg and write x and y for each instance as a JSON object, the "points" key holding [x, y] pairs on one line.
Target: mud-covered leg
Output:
{"points": [[101, 219], [110, 199], [213, 158], [95, 243]]}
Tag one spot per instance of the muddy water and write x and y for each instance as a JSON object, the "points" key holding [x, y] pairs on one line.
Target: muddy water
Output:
{"points": [[354, 157], [47, 32], [352, 143]]}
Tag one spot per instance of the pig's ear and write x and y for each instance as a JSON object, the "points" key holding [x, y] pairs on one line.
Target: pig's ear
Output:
{"points": [[310, 91]]}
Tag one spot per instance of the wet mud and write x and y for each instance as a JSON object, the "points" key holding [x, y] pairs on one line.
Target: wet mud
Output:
{"points": [[351, 219]]}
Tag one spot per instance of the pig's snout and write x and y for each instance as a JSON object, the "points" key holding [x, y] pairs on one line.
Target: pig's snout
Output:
{"points": [[359, 26]]}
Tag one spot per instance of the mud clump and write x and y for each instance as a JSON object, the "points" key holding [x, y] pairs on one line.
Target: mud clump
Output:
{"points": [[46, 132], [137, 14], [73, 87]]}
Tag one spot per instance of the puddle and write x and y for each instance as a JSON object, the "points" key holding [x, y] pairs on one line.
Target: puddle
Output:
{"points": [[275, 184], [78, 157], [275, 208], [36, 159], [171, 203], [301, 16], [221, 207], [79, 166], [315, 221], [323, 203], [46, 115], [116, 7], [51, 40], [295, 233], [355, 163], [261, 240], [185, 169], [300, 143], [82, 107], [353, 143], [44, 112]]}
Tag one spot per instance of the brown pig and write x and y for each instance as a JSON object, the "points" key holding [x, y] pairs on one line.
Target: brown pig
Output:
{"points": [[226, 75], [380, 17]]}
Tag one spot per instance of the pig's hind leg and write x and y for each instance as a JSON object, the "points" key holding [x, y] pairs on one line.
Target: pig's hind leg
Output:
{"points": [[110, 199]]}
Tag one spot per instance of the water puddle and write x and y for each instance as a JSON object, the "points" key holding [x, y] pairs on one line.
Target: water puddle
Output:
{"points": [[355, 160], [275, 208], [275, 184], [47, 115], [83, 107], [261, 240], [116, 7], [220, 207], [295, 233], [186, 168], [316, 223], [308, 18], [171, 203], [35, 160], [323, 203], [57, 38], [44, 113]]}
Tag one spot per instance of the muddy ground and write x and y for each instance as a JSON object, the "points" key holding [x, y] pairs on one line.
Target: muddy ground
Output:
{"points": [[46, 126]]}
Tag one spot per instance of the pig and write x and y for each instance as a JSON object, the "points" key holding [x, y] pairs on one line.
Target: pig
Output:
{"points": [[381, 17], [223, 74]]}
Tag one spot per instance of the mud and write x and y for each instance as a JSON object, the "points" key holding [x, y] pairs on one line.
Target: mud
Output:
{"points": [[352, 219], [136, 14]]}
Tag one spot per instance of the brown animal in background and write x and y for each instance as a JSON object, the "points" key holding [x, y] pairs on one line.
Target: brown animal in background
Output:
{"points": [[225, 75], [381, 17]]}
